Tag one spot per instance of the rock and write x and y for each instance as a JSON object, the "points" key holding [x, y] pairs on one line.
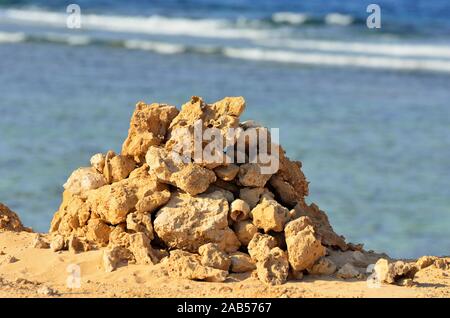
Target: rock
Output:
{"points": [[252, 195], [114, 256], [359, 259], [323, 266], [392, 272], [321, 225], [187, 222], [269, 215], [304, 248], [140, 222], [273, 269], [348, 271], [441, 263], [148, 127], [425, 261], [112, 203], [142, 251], [75, 245], [98, 162], [239, 210], [98, 231], [46, 291], [213, 256], [9, 259], [83, 180], [182, 264], [260, 246], [245, 230], [289, 182], [39, 241], [241, 263], [189, 177], [57, 243], [250, 175], [228, 172], [72, 215], [9, 221], [221, 115], [118, 168], [227, 194]]}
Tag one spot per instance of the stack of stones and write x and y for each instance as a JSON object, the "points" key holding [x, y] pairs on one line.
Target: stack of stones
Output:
{"points": [[202, 219]]}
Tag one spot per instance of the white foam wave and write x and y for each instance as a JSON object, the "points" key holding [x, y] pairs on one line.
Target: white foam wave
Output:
{"points": [[157, 47], [290, 18], [339, 60], [338, 19], [12, 37], [405, 49], [208, 28]]}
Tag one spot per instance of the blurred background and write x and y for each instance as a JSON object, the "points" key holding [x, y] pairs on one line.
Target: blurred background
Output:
{"points": [[365, 110]]}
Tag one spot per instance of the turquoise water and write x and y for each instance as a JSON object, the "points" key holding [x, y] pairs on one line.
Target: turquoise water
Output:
{"points": [[374, 143]]}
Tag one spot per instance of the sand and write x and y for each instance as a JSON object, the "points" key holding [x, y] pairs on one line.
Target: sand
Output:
{"points": [[39, 272]]}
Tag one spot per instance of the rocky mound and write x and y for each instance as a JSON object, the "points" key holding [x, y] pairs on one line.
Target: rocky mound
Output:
{"points": [[9, 221], [203, 219]]}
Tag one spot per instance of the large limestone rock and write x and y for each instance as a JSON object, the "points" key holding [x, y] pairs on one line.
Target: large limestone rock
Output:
{"points": [[182, 264], [187, 222], [112, 203], [304, 248], [148, 127], [9, 221], [189, 177], [269, 215], [321, 225]]}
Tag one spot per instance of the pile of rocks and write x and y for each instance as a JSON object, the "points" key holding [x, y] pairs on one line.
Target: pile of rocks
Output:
{"points": [[203, 220]]}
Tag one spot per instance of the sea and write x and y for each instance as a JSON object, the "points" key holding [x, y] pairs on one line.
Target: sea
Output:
{"points": [[366, 110]]}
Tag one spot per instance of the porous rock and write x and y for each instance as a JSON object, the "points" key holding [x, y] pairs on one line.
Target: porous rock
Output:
{"points": [[213, 256], [182, 264], [392, 272], [239, 210], [83, 180], [260, 246], [189, 177], [241, 263], [245, 230], [269, 215], [273, 269], [187, 222], [304, 247], [148, 127]]}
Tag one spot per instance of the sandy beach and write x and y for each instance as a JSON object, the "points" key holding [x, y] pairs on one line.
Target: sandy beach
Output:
{"points": [[38, 268]]}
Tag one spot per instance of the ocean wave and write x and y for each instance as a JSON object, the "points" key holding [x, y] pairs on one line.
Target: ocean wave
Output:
{"points": [[12, 37], [251, 53], [155, 24], [392, 49], [364, 61], [299, 18]]}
